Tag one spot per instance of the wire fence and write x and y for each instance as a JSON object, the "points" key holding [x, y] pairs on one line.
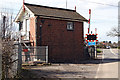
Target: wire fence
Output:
{"points": [[32, 54]]}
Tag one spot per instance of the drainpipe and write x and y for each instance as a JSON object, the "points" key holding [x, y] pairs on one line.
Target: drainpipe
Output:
{"points": [[40, 35], [40, 28], [26, 27]]}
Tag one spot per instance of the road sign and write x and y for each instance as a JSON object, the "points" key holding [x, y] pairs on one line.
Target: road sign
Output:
{"points": [[91, 43]]}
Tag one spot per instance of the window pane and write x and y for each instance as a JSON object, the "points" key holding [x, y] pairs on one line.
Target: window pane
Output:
{"points": [[70, 26]]}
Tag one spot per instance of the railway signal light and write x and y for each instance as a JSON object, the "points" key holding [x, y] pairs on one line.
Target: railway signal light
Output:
{"points": [[91, 37]]}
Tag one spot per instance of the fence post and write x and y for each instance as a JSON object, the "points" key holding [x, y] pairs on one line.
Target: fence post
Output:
{"points": [[19, 59], [0, 59], [19, 56]]}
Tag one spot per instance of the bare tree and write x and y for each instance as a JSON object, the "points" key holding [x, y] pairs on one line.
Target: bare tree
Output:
{"points": [[9, 56], [115, 31]]}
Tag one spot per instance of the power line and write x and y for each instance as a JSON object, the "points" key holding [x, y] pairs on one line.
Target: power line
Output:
{"points": [[103, 4]]}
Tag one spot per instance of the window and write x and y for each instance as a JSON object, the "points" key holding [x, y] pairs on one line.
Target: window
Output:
{"points": [[28, 24], [70, 26], [20, 25]]}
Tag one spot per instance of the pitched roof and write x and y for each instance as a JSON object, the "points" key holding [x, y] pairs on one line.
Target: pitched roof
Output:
{"points": [[53, 12]]}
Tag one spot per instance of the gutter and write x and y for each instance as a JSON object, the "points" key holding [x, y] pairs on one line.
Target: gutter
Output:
{"points": [[62, 18]]}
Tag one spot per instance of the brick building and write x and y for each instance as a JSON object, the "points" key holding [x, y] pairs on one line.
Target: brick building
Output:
{"points": [[59, 29]]}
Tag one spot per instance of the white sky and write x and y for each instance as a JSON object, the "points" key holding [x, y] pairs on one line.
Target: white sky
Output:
{"points": [[103, 17]]}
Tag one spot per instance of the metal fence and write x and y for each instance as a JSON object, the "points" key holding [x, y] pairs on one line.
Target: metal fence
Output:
{"points": [[91, 51], [32, 54]]}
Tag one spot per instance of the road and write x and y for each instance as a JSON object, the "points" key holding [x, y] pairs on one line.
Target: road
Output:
{"points": [[109, 66]]}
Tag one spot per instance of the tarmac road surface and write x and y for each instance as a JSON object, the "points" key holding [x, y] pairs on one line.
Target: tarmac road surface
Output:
{"points": [[109, 66]]}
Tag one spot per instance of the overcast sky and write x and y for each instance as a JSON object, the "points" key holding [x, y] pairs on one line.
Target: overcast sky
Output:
{"points": [[104, 12]]}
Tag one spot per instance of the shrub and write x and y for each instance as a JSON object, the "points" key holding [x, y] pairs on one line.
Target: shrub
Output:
{"points": [[119, 47]]}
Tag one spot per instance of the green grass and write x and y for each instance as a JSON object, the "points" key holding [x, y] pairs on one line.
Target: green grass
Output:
{"points": [[99, 51]]}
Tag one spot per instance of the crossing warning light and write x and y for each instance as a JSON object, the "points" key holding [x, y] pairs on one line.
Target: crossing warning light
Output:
{"points": [[91, 37]]}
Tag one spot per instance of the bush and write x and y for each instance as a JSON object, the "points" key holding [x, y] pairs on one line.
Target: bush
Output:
{"points": [[119, 47], [8, 59]]}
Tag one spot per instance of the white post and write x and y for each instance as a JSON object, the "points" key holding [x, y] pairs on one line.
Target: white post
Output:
{"points": [[95, 52], [46, 54]]}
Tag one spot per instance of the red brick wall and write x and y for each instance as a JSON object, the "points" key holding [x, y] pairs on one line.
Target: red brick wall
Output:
{"points": [[32, 30], [64, 45]]}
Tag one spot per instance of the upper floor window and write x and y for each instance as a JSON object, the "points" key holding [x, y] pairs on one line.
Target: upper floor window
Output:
{"points": [[20, 25], [70, 26]]}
